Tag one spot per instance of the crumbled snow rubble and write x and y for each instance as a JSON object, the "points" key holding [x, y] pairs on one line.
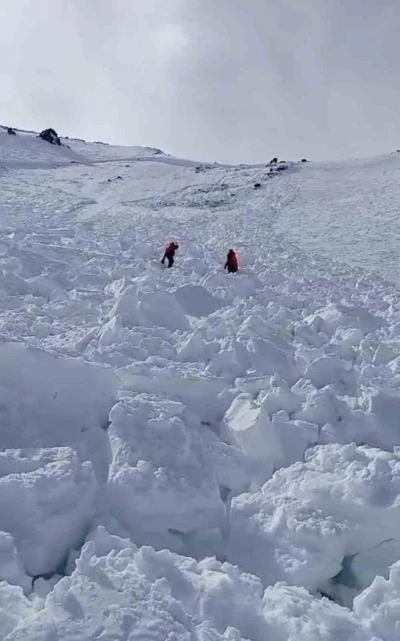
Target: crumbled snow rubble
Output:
{"points": [[186, 454]]}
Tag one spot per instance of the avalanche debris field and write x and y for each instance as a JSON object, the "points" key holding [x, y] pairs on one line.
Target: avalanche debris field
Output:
{"points": [[187, 455]]}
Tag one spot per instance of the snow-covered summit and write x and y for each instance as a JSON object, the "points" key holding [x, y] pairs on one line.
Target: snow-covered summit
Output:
{"points": [[187, 454], [26, 148]]}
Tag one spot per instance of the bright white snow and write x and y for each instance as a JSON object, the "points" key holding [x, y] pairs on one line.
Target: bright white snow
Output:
{"points": [[184, 454]]}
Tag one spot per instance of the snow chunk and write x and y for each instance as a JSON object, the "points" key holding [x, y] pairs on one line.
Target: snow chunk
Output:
{"points": [[47, 500], [307, 518], [11, 569], [12, 285], [375, 561], [197, 301], [15, 609], [266, 358], [163, 310], [248, 426], [158, 309], [202, 393], [283, 539], [292, 613], [65, 405], [138, 594], [384, 405], [333, 370], [143, 594], [383, 355], [160, 477], [328, 319], [378, 606], [47, 288], [358, 485]]}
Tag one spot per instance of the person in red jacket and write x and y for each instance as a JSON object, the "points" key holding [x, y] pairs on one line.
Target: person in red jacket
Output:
{"points": [[170, 253], [231, 262]]}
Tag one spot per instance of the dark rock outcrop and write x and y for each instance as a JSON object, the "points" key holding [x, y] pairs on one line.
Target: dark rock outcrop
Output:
{"points": [[51, 136]]}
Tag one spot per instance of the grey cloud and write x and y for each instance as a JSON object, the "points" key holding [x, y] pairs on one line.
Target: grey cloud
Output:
{"points": [[227, 80]]}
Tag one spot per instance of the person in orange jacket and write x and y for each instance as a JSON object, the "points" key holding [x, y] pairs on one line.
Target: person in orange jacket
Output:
{"points": [[231, 262], [170, 253]]}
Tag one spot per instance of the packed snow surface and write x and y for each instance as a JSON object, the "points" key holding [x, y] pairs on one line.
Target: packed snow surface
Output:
{"points": [[187, 455]]}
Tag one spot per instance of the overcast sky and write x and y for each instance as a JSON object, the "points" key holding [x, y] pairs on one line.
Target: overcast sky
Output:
{"points": [[225, 80]]}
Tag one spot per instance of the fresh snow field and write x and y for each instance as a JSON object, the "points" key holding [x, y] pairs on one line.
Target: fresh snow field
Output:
{"points": [[187, 455]]}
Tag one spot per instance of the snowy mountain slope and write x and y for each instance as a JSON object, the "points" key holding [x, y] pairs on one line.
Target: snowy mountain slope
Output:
{"points": [[154, 419], [27, 150], [349, 211], [99, 151]]}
